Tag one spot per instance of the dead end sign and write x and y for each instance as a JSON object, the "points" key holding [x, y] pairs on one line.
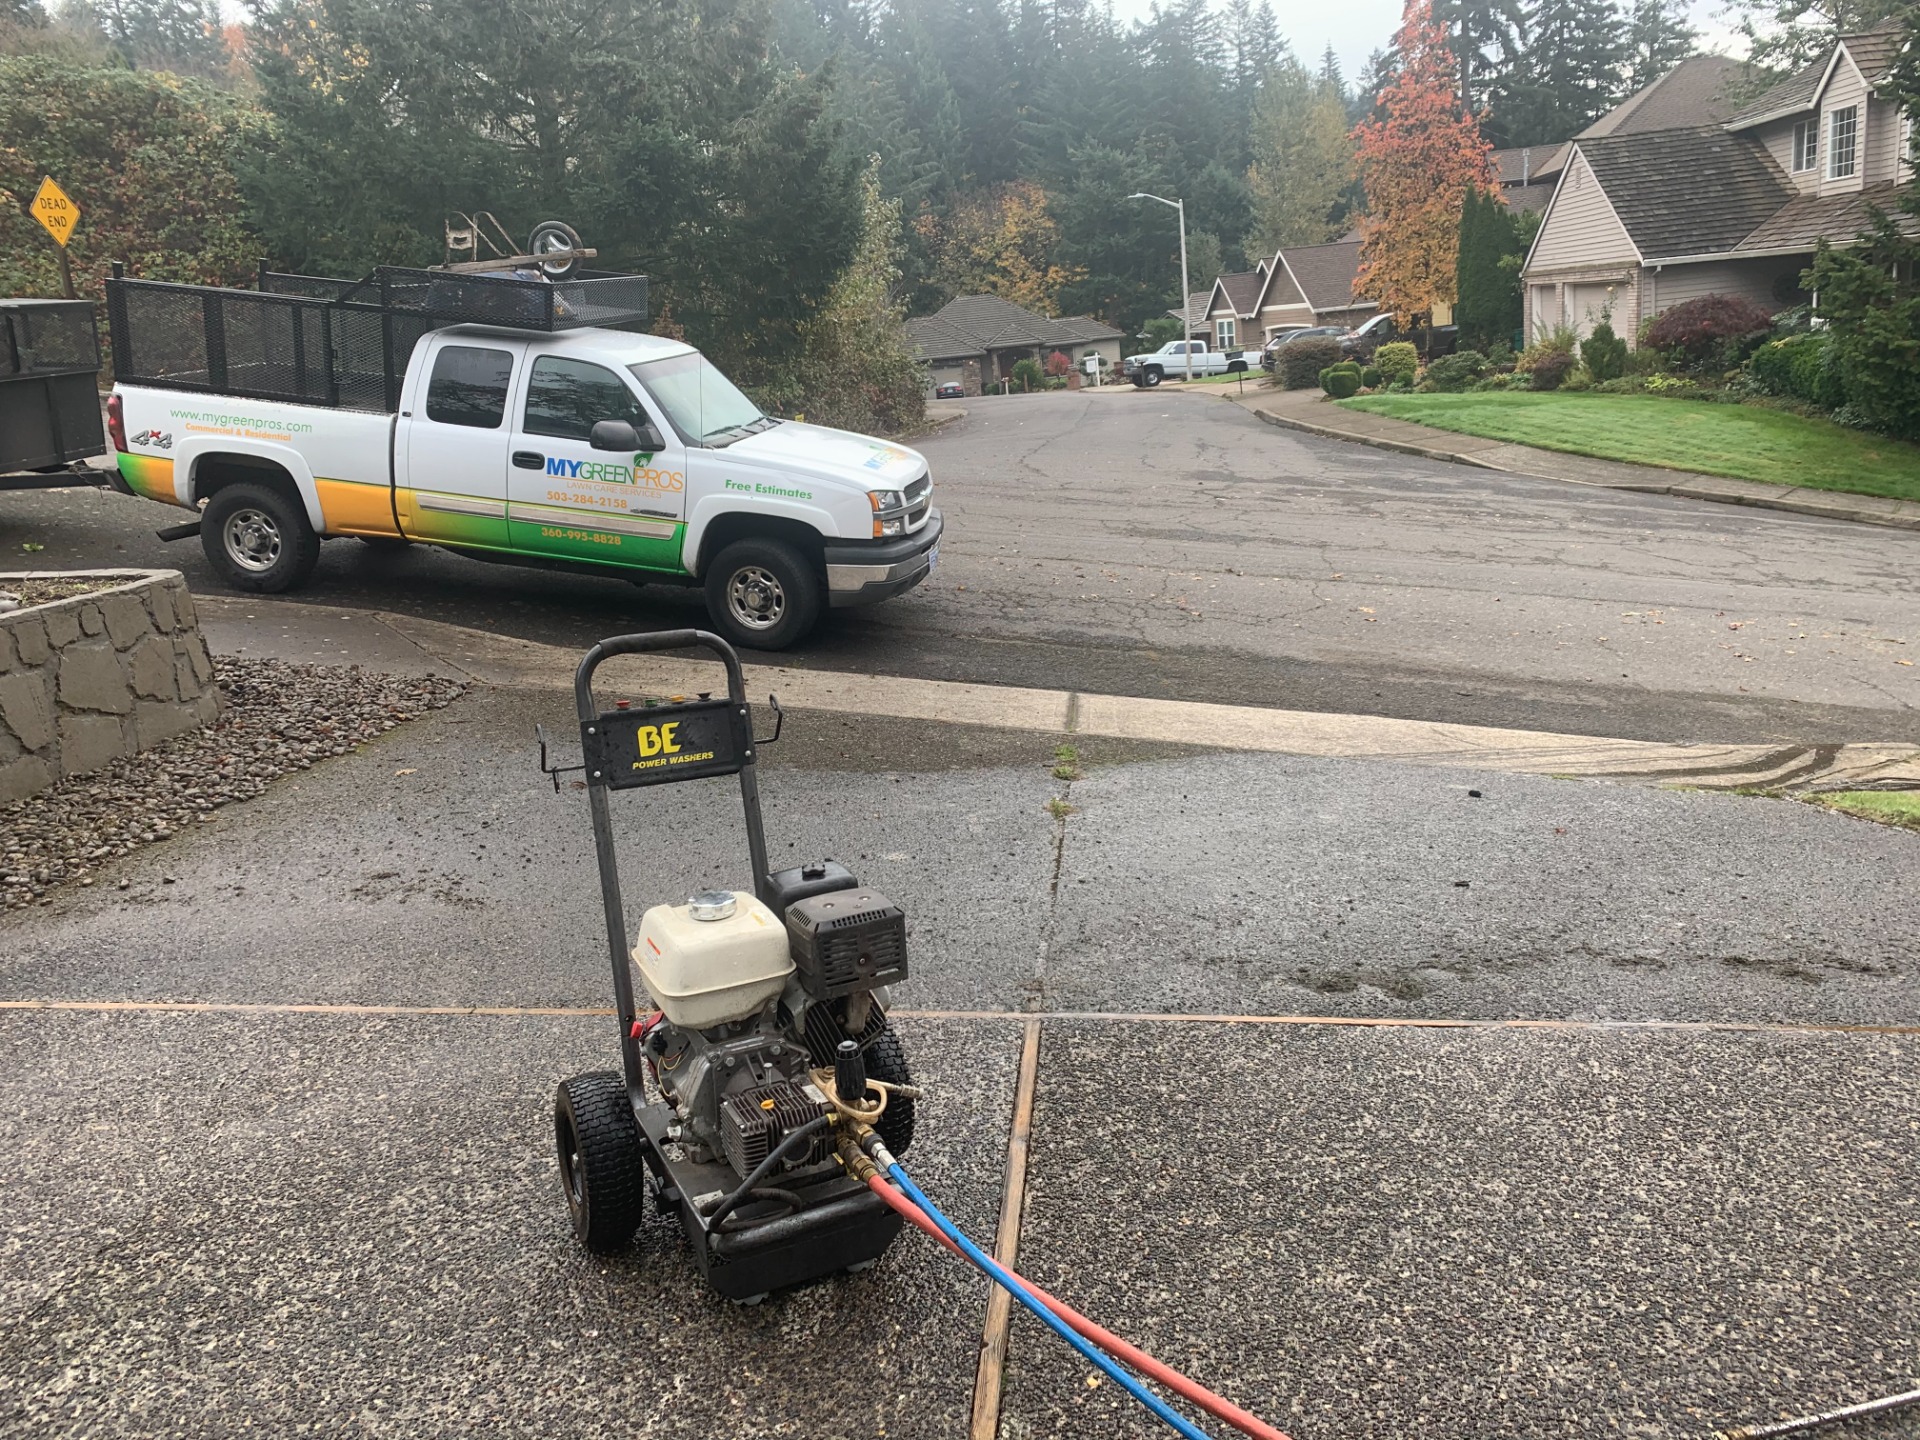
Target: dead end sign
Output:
{"points": [[55, 209]]}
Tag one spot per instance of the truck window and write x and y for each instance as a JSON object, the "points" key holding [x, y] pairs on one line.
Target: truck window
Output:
{"points": [[567, 398], [469, 386]]}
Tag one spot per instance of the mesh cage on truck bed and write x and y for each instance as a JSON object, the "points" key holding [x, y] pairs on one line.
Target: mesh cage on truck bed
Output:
{"points": [[343, 344]]}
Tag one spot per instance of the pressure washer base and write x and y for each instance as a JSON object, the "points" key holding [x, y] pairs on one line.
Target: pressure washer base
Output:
{"points": [[726, 1107]]}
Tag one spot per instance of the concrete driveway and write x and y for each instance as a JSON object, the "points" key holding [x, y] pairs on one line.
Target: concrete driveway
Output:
{"points": [[276, 1158]]}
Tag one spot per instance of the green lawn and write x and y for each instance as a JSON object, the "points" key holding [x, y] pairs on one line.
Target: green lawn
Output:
{"points": [[1889, 807], [1743, 441]]}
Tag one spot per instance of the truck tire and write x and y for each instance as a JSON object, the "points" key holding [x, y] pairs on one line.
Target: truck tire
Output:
{"points": [[601, 1170], [763, 594], [257, 539], [1153, 376]]}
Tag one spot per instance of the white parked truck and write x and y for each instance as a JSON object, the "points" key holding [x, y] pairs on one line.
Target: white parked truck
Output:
{"points": [[504, 419], [1172, 361]]}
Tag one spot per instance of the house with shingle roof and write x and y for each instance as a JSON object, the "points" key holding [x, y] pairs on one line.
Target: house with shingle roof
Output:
{"points": [[1298, 285], [1640, 221], [976, 339]]}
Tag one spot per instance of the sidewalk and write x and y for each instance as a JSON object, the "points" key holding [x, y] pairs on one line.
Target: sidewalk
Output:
{"points": [[409, 645], [1316, 414]]}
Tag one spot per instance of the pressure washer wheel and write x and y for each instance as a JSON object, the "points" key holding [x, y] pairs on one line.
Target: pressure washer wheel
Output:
{"points": [[601, 1171], [887, 1060]]}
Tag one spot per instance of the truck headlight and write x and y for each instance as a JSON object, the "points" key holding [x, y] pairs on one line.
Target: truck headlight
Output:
{"points": [[889, 513]]}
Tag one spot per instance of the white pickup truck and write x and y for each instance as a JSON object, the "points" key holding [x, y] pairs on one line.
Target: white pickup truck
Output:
{"points": [[312, 409], [1173, 362]]}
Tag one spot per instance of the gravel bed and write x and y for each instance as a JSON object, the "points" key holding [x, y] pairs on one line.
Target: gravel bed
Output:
{"points": [[276, 718]]}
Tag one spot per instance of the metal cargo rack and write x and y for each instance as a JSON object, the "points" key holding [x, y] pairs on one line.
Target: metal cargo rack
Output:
{"points": [[342, 344], [49, 385]]}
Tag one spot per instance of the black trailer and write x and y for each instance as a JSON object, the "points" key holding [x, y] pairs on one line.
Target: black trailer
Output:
{"points": [[49, 394]]}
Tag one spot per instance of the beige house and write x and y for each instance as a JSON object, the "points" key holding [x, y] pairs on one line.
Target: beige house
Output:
{"points": [[1640, 222], [1299, 285]]}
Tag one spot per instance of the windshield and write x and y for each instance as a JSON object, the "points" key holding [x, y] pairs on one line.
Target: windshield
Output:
{"points": [[704, 406]]}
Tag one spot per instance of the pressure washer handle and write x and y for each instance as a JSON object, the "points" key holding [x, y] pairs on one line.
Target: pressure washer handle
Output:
{"points": [[644, 644]]}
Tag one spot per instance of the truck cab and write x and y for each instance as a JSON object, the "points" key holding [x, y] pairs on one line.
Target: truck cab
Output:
{"points": [[1177, 359], [586, 448]]}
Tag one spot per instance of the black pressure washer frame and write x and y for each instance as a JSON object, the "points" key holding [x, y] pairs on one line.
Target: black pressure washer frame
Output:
{"points": [[841, 1225]]}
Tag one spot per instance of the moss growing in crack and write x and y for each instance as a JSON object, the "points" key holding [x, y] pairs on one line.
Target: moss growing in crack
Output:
{"points": [[1059, 809], [1066, 763]]}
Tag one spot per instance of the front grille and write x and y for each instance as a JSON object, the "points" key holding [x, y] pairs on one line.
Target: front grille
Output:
{"points": [[917, 515], [918, 490]]}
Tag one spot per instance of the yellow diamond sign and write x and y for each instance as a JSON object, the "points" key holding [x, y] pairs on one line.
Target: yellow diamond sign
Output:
{"points": [[55, 209]]}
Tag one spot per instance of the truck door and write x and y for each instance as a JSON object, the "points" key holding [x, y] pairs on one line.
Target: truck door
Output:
{"points": [[450, 481], [565, 498]]}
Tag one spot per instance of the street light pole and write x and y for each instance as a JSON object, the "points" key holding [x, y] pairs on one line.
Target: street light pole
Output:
{"points": [[1186, 307]]}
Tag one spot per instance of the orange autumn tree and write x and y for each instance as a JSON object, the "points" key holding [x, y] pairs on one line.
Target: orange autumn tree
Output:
{"points": [[1417, 160]]}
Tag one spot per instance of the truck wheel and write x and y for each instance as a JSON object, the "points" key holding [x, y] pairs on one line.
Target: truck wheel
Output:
{"points": [[763, 594], [601, 1172], [256, 539], [1153, 378]]}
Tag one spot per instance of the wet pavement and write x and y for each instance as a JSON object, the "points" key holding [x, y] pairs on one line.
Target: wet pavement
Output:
{"points": [[267, 1220], [1173, 546]]}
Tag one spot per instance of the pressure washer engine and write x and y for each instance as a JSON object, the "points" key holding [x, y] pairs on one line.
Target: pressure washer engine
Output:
{"points": [[767, 1007]]}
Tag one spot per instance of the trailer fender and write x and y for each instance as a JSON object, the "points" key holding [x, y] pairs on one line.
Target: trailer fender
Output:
{"points": [[198, 456]]}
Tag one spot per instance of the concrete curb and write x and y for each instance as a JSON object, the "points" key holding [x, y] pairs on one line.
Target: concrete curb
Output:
{"points": [[387, 641], [1640, 479]]}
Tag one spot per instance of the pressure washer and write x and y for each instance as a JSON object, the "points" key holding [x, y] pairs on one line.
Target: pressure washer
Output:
{"points": [[763, 1098]]}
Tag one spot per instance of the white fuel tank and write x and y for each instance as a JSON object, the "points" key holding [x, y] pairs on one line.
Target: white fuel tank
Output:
{"points": [[719, 957]]}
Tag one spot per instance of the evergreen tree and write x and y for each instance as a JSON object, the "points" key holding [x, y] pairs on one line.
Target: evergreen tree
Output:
{"points": [[1488, 309], [1374, 80], [1484, 36], [1330, 75], [1302, 162], [178, 35], [1569, 76], [1658, 38]]}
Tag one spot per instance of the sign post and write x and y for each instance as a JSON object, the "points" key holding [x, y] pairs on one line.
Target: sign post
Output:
{"points": [[55, 209]]}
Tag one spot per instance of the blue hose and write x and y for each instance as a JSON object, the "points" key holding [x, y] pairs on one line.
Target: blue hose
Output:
{"points": [[1053, 1322]]}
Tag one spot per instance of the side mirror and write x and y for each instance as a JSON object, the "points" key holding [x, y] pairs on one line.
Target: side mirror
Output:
{"points": [[616, 435]]}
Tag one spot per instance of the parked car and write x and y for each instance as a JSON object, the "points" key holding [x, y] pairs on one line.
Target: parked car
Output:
{"points": [[1431, 340], [1173, 361], [1302, 332], [949, 390]]}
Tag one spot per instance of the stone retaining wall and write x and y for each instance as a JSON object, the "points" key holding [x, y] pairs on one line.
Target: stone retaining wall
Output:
{"points": [[88, 680]]}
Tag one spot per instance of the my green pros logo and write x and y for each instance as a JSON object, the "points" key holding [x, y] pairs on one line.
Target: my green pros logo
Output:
{"points": [[641, 472]]}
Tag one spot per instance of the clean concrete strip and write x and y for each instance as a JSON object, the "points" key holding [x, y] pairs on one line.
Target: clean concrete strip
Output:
{"points": [[991, 1375], [302, 632]]}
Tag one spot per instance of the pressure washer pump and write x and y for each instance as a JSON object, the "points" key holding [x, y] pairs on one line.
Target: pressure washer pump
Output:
{"points": [[766, 1026]]}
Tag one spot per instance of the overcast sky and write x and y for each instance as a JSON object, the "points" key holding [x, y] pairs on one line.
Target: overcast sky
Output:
{"points": [[1356, 28]]}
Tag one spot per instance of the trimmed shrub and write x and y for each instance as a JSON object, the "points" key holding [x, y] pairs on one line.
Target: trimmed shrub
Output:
{"points": [[1370, 376], [1603, 353], [1453, 373], [1800, 366], [1341, 382], [1713, 327], [1302, 361], [1397, 360], [1549, 368], [1027, 375], [1058, 365]]}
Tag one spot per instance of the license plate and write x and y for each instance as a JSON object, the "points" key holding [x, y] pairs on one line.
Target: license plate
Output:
{"points": [[933, 558]]}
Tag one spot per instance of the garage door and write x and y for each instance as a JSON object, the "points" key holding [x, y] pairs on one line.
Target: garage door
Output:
{"points": [[1586, 304]]}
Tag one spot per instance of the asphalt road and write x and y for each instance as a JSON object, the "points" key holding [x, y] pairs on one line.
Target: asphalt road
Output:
{"points": [[1155, 543], [267, 1220]]}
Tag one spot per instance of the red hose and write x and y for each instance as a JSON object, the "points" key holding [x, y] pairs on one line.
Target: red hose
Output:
{"points": [[1214, 1405]]}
